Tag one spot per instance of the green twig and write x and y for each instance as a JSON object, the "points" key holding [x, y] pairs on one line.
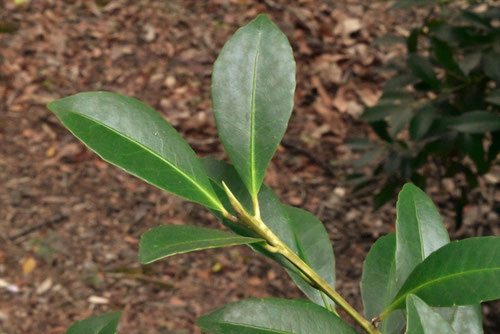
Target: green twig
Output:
{"points": [[275, 245]]}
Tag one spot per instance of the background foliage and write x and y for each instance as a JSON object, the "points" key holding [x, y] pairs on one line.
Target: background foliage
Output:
{"points": [[442, 106]]}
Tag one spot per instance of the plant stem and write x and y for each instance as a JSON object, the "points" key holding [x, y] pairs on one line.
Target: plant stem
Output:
{"points": [[275, 245], [256, 207], [322, 285]]}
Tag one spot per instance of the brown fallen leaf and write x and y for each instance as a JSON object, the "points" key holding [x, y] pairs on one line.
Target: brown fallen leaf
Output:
{"points": [[28, 264]]}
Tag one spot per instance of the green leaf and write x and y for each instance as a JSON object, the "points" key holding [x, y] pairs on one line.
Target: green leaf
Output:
{"points": [[219, 171], [421, 122], [164, 241], [423, 320], [381, 111], [379, 286], [470, 62], [132, 136], [463, 319], [422, 69], [386, 193], [444, 54], [259, 316], [494, 97], [412, 41], [459, 273], [399, 81], [419, 230], [314, 248], [98, 324], [253, 83], [476, 122], [380, 128], [369, 157], [476, 19], [473, 146], [399, 121], [491, 65], [271, 209], [277, 218]]}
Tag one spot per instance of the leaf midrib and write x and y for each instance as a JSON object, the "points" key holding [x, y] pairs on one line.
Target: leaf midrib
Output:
{"points": [[253, 180], [441, 278], [419, 227], [182, 173]]}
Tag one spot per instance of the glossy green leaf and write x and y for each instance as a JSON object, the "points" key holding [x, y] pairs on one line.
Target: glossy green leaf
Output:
{"points": [[260, 316], [131, 135], [476, 122], [164, 241], [494, 97], [419, 230], [379, 286], [219, 171], [314, 248], [422, 319], [463, 319], [253, 83], [423, 69], [98, 324], [459, 273]]}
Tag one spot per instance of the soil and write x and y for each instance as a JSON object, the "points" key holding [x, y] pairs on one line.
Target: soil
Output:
{"points": [[70, 223]]}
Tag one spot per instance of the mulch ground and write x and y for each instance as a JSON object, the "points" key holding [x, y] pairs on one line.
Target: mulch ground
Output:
{"points": [[70, 223]]}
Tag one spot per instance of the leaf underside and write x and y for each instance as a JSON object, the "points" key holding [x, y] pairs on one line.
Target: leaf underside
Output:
{"points": [[164, 241], [422, 319]]}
